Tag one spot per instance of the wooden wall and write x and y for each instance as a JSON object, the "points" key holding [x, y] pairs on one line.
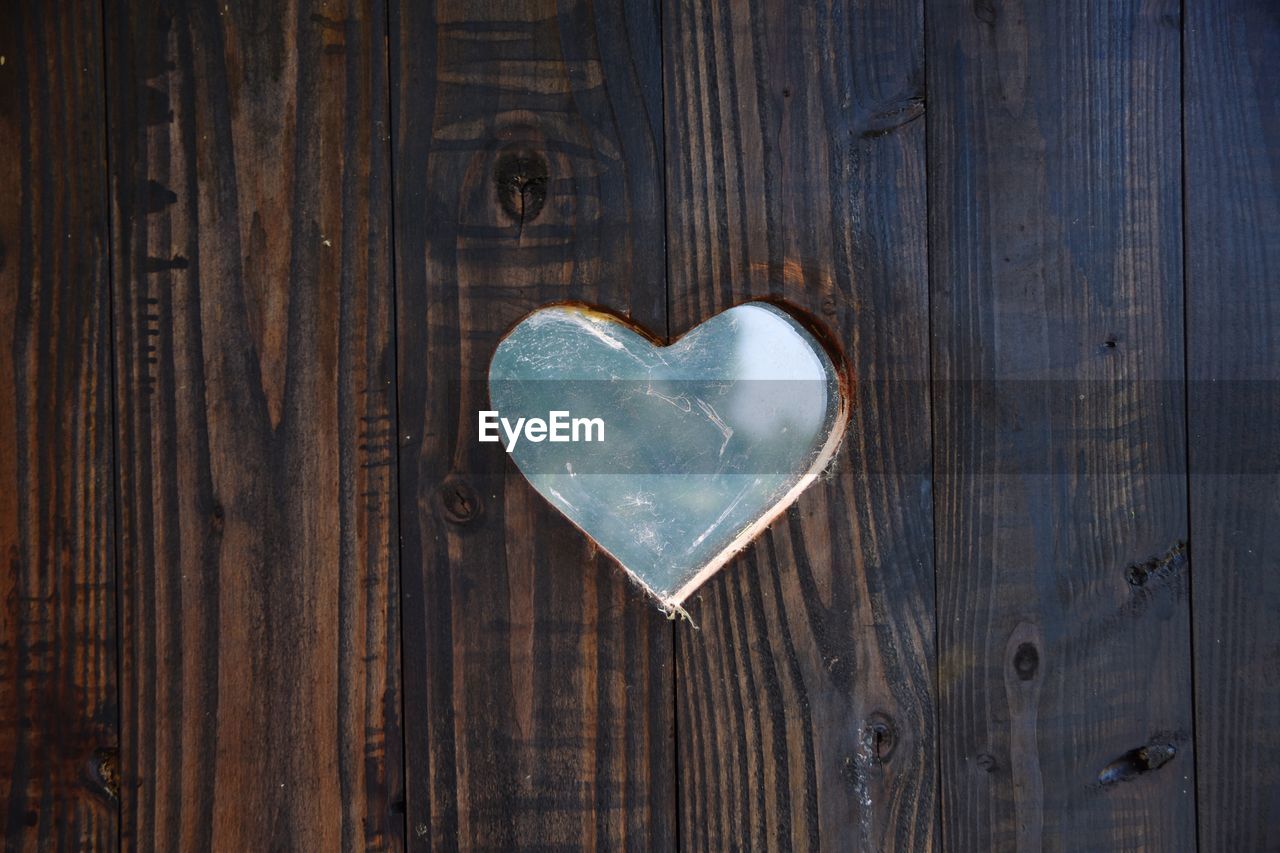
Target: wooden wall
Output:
{"points": [[264, 589]]}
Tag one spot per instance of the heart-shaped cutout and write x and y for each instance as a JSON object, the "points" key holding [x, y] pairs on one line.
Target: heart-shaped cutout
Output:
{"points": [[672, 458]]}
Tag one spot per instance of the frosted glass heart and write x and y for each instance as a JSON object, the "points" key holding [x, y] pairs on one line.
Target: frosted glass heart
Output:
{"points": [[684, 453]]}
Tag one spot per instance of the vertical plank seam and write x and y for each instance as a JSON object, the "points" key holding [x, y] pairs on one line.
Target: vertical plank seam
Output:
{"points": [[676, 805], [393, 266], [1186, 409], [113, 405], [939, 820]]}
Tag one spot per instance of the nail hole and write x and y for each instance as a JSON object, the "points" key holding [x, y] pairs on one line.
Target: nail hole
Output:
{"points": [[1136, 762], [879, 737], [104, 766]]}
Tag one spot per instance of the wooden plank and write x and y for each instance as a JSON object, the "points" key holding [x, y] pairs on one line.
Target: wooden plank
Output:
{"points": [[795, 167], [1232, 126], [58, 714], [528, 170], [254, 350], [1055, 256]]}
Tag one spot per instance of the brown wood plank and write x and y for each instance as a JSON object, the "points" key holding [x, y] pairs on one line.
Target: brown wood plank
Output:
{"points": [[58, 714], [528, 170], [1056, 286], [795, 167], [255, 362], [1232, 138]]}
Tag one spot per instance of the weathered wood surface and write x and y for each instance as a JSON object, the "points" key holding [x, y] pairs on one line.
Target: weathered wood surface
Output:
{"points": [[1056, 284], [1232, 126], [795, 170], [58, 720], [256, 409], [528, 170], [228, 384]]}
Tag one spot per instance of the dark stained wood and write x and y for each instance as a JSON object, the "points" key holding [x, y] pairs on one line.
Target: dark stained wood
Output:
{"points": [[1232, 127], [528, 170], [253, 320], [795, 170], [58, 714], [198, 249], [1056, 287]]}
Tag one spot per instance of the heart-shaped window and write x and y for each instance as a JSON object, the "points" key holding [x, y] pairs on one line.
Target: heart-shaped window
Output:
{"points": [[672, 458]]}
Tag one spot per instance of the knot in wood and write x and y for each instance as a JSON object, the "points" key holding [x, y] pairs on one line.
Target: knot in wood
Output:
{"points": [[1026, 661], [458, 501], [521, 180]]}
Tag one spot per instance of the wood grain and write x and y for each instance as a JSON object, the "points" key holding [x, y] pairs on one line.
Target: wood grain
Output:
{"points": [[253, 317], [528, 170], [795, 170], [198, 251], [1232, 126], [58, 709], [1056, 289]]}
